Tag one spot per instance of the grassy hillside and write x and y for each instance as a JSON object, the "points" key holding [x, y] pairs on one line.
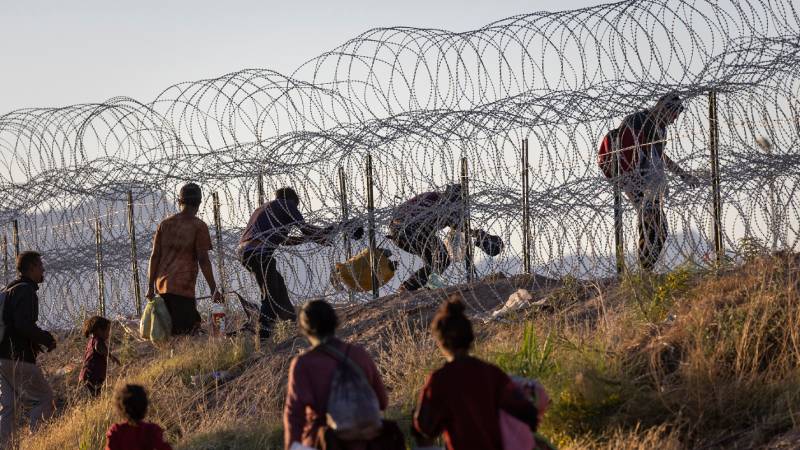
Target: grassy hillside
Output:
{"points": [[683, 360]]}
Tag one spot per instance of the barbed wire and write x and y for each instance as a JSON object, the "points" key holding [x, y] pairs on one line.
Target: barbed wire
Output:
{"points": [[417, 101]]}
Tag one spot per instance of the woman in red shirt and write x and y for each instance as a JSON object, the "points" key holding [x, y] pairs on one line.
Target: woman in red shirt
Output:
{"points": [[463, 399], [134, 433]]}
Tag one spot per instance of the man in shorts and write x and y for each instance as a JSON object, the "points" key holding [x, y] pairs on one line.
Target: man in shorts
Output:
{"points": [[181, 244]]}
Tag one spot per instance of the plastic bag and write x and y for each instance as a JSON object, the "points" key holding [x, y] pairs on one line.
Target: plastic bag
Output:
{"points": [[156, 323], [356, 274], [489, 243], [516, 434], [454, 243], [434, 282]]}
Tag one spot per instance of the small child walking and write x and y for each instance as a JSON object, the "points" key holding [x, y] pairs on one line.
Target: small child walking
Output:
{"points": [[134, 433], [95, 359]]}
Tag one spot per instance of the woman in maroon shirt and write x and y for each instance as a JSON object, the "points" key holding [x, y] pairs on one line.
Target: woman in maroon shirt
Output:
{"points": [[464, 397], [311, 376]]}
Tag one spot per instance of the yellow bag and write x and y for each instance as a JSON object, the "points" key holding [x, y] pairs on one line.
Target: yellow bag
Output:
{"points": [[156, 323], [356, 275]]}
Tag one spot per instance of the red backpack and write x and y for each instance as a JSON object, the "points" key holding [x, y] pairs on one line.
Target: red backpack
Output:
{"points": [[622, 140]]}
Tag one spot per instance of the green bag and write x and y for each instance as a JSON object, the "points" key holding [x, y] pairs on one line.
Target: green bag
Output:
{"points": [[156, 323]]}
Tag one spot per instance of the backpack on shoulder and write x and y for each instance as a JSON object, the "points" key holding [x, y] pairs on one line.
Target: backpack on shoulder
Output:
{"points": [[353, 409], [621, 142]]}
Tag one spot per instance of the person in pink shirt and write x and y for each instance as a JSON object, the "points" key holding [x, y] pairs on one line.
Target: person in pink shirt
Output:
{"points": [[311, 376]]}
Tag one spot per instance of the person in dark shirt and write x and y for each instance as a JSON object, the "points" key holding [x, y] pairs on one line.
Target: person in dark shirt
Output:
{"points": [[134, 433], [23, 340], [646, 185], [463, 399], [414, 225], [269, 228]]}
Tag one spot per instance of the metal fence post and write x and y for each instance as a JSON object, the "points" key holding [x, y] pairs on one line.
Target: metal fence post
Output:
{"points": [[137, 289], [101, 284], [469, 262], [218, 228], [348, 251], [373, 257], [619, 238], [5, 259], [15, 237], [260, 187], [526, 218], [713, 124]]}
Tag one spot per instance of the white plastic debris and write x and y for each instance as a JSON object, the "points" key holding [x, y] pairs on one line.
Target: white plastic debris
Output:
{"points": [[519, 299]]}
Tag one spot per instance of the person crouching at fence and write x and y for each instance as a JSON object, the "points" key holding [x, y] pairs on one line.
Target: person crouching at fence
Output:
{"points": [[134, 433], [95, 360], [22, 341], [339, 382], [268, 229], [463, 399], [181, 244]]}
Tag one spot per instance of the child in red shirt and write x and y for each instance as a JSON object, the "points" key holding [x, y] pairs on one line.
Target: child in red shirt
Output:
{"points": [[134, 433], [95, 359], [462, 400]]}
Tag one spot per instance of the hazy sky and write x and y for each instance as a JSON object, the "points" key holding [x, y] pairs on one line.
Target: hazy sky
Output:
{"points": [[57, 53]]}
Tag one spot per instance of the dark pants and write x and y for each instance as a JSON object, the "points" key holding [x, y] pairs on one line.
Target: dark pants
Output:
{"points": [[93, 388], [183, 312], [275, 303], [391, 438], [653, 231], [424, 243]]}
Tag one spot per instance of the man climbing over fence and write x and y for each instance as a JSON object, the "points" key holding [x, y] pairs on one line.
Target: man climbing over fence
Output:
{"points": [[181, 244], [641, 170], [268, 229]]}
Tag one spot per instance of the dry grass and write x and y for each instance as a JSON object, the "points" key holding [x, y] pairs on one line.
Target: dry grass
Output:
{"points": [[684, 360]]}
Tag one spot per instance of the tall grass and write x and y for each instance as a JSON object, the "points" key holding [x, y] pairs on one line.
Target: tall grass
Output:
{"points": [[682, 360]]}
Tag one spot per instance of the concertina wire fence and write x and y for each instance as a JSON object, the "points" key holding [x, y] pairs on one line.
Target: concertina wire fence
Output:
{"points": [[418, 101]]}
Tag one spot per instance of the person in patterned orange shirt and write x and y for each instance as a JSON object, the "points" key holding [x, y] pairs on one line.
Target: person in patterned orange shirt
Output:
{"points": [[180, 246]]}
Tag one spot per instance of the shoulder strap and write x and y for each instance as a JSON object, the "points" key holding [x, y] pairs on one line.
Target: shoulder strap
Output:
{"points": [[342, 358], [8, 288]]}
